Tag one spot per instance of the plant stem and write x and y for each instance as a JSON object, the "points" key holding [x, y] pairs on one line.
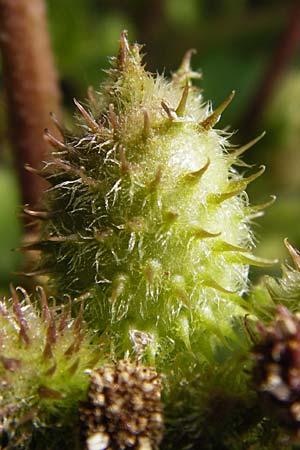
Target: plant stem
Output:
{"points": [[288, 42], [31, 87]]}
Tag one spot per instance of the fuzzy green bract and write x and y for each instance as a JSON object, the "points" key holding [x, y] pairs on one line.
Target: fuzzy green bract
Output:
{"points": [[147, 221]]}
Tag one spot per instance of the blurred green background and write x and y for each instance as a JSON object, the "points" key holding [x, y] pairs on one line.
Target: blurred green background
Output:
{"points": [[246, 45]]}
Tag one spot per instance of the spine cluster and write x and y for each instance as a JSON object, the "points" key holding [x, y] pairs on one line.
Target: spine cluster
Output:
{"points": [[43, 356]]}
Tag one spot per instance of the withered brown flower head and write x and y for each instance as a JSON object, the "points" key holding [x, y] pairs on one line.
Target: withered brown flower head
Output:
{"points": [[277, 371], [124, 409]]}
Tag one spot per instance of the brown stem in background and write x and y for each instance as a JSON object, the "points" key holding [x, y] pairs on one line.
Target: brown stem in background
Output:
{"points": [[284, 52], [31, 86], [152, 19]]}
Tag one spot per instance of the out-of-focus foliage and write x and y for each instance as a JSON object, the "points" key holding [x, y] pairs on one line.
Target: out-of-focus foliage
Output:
{"points": [[9, 226], [235, 40], [282, 155], [83, 37]]}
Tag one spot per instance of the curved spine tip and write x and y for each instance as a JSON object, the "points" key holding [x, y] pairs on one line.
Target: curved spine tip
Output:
{"points": [[53, 141], [223, 246], [124, 50], [197, 175], [210, 282], [182, 103], [257, 261], [147, 125], [22, 322], [184, 73], [39, 214], [186, 60], [215, 116], [255, 175], [257, 208], [125, 166], [240, 185], [219, 198], [295, 255], [31, 169], [25, 294], [46, 314], [200, 233], [171, 113], [92, 124], [238, 152], [68, 168], [56, 122]]}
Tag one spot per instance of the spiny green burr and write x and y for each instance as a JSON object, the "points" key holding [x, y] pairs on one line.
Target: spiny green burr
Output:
{"points": [[43, 356], [145, 208], [147, 221], [146, 212]]}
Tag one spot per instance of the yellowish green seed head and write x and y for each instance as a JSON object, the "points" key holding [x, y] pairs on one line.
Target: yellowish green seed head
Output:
{"points": [[147, 221], [147, 214]]}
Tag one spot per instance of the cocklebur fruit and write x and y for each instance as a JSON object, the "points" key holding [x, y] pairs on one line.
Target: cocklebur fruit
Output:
{"points": [[147, 220], [146, 213], [43, 356]]}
